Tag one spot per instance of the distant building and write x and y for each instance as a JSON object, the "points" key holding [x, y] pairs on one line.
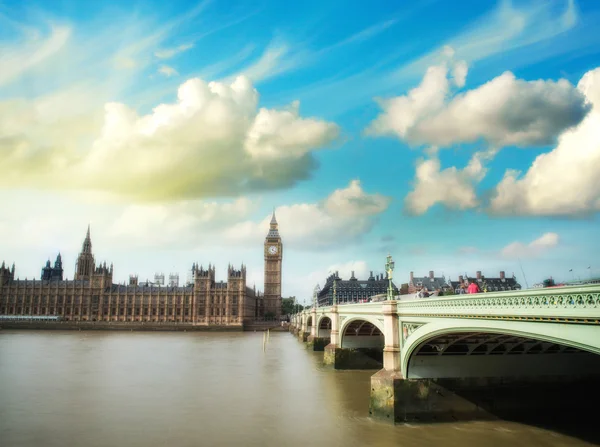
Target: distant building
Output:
{"points": [[159, 279], [430, 282], [93, 296], [53, 273], [353, 290], [488, 284], [174, 280]]}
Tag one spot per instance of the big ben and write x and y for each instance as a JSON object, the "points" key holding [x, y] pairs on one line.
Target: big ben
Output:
{"points": [[273, 258]]}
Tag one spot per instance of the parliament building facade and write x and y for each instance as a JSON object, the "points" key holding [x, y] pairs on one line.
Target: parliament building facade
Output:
{"points": [[93, 297]]}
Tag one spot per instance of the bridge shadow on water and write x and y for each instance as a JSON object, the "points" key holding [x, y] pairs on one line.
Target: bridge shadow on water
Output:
{"points": [[569, 408]]}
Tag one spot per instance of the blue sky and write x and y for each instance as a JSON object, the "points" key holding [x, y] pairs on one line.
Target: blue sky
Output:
{"points": [[457, 136]]}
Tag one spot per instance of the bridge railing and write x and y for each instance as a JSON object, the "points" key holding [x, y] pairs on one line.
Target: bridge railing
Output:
{"points": [[578, 303]]}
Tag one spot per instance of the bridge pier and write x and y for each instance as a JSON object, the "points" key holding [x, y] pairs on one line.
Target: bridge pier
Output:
{"points": [[317, 343], [387, 384], [313, 341], [302, 331], [332, 350]]}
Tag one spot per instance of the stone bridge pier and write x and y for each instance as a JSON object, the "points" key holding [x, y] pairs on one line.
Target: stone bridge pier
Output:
{"points": [[320, 332], [305, 324]]}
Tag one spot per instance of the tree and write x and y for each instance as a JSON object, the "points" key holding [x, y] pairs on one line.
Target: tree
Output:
{"points": [[289, 306]]}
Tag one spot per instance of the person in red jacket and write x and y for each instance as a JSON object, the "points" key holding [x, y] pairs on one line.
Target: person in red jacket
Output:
{"points": [[473, 288]]}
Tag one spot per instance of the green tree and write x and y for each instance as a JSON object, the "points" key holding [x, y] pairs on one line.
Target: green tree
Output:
{"points": [[289, 306]]}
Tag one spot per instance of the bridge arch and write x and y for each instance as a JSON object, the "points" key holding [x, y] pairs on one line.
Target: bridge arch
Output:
{"points": [[324, 326], [309, 322], [495, 348], [361, 332]]}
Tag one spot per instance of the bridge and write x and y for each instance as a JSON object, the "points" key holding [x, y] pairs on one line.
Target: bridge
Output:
{"points": [[465, 355]]}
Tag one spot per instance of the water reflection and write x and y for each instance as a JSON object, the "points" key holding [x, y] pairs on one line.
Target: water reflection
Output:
{"points": [[193, 389]]}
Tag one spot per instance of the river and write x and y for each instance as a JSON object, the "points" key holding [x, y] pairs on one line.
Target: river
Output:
{"points": [[205, 389]]}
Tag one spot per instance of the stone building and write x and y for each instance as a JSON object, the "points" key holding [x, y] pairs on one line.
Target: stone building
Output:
{"points": [[93, 296], [488, 284], [430, 282], [273, 259], [353, 290]]}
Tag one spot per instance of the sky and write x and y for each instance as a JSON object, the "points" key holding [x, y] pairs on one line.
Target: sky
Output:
{"points": [[455, 136]]}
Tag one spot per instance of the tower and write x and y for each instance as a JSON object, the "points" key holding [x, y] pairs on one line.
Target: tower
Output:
{"points": [[57, 271], [85, 261], [273, 258]]}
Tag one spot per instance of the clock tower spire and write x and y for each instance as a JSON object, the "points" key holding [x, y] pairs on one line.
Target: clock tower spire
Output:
{"points": [[273, 258]]}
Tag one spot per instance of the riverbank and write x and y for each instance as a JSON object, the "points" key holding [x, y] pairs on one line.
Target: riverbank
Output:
{"points": [[115, 326]]}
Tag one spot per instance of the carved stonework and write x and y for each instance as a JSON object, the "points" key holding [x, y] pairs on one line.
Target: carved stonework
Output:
{"points": [[409, 328]]}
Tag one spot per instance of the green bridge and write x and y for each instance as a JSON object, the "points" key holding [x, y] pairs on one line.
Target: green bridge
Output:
{"points": [[466, 355]]}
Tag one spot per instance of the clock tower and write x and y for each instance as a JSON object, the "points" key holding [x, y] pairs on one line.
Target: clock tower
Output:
{"points": [[273, 258]]}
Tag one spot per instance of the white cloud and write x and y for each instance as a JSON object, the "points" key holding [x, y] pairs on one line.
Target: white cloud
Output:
{"points": [[18, 59], [504, 111], [454, 188], [344, 216], [277, 58], [508, 28], [168, 53], [531, 250], [459, 73], [212, 141], [277, 134], [167, 71], [564, 181], [184, 224]]}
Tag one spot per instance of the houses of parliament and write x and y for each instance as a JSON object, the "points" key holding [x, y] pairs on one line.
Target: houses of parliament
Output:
{"points": [[93, 297]]}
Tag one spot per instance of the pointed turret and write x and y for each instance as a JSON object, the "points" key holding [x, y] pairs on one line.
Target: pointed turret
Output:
{"points": [[87, 242], [273, 227], [85, 262]]}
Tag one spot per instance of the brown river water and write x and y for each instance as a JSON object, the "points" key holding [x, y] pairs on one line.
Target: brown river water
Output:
{"points": [[72, 389]]}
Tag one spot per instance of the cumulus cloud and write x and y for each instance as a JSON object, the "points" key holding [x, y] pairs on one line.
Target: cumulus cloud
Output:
{"points": [[564, 181], [452, 187], [504, 111], [533, 249], [342, 217], [212, 141]]}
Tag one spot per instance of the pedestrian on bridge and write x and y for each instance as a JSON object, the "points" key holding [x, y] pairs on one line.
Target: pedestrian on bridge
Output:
{"points": [[473, 288]]}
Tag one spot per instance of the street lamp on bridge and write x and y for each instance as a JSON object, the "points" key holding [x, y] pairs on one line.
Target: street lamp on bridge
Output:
{"points": [[389, 268], [335, 279]]}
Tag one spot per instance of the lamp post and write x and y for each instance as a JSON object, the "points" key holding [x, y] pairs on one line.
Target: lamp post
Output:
{"points": [[335, 290], [389, 268]]}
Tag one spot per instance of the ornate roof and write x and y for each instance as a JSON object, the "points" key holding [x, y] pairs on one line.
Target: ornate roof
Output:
{"points": [[430, 283], [273, 231], [353, 289]]}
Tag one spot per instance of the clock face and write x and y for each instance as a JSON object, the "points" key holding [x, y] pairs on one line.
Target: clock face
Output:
{"points": [[273, 249]]}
